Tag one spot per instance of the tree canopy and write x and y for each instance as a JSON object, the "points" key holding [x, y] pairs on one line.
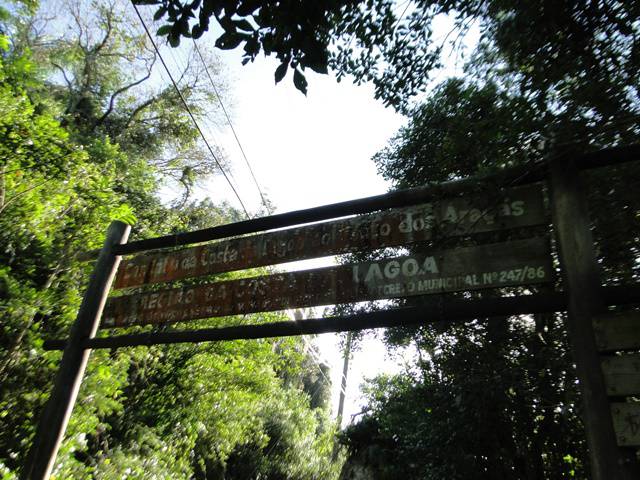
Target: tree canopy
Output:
{"points": [[487, 398], [496, 398], [551, 50]]}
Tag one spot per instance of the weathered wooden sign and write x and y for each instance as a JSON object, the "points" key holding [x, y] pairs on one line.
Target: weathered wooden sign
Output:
{"points": [[516, 207], [470, 268], [515, 263], [618, 331], [622, 374], [626, 423]]}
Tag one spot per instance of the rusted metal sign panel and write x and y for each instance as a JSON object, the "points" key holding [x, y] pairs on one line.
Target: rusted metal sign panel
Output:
{"points": [[626, 423], [518, 207], [622, 374], [470, 268], [618, 331]]}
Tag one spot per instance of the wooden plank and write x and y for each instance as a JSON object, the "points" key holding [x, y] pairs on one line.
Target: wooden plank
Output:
{"points": [[517, 207], [617, 331], [622, 374], [452, 309], [626, 423], [519, 175], [470, 268], [581, 277]]}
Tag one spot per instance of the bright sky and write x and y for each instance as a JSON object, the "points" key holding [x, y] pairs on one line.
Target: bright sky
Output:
{"points": [[306, 152]]}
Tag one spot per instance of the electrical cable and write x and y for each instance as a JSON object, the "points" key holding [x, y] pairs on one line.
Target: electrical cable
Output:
{"points": [[233, 130], [186, 106], [183, 64]]}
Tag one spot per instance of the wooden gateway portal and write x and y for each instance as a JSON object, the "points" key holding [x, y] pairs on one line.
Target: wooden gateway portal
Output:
{"points": [[462, 236]]}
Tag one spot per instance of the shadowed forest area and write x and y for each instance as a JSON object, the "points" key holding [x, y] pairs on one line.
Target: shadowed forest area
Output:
{"points": [[91, 131]]}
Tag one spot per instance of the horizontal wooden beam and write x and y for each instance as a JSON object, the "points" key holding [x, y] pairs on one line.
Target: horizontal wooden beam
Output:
{"points": [[452, 309], [448, 310], [399, 198], [608, 157], [521, 175]]}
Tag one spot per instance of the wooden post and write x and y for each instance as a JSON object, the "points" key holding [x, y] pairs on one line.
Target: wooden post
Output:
{"points": [[582, 282], [55, 416]]}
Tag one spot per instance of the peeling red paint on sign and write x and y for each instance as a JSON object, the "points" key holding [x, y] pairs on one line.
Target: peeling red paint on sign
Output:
{"points": [[520, 262], [517, 207]]}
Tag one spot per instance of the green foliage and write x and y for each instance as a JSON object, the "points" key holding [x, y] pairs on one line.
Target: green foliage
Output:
{"points": [[492, 400], [31, 140], [556, 51], [103, 80], [463, 130], [497, 398], [296, 33], [55, 201], [196, 412], [488, 398], [72, 160]]}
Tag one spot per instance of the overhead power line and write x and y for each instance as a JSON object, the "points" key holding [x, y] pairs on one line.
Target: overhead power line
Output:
{"points": [[311, 349], [244, 155], [186, 106], [183, 65]]}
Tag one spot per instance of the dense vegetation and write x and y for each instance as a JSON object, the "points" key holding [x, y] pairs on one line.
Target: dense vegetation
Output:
{"points": [[498, 398], [90, 133], [84, 140]]}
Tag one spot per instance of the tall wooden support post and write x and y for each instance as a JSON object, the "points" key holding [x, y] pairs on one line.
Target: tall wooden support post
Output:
{"points": [[582, 281], [55, 416]]}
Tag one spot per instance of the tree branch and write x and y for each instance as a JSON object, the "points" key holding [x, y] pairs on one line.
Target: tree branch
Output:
{"points": [[64, 75], [139, 109], [107, 33], [120, 91]]}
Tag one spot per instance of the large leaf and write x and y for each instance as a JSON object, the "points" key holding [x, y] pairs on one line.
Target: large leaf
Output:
{"points": [[281, 71], [174, 40], [229, 40], [164, 30], [243, 25], [299, 81], [159, 13], [252, 47], [197, 31]]}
